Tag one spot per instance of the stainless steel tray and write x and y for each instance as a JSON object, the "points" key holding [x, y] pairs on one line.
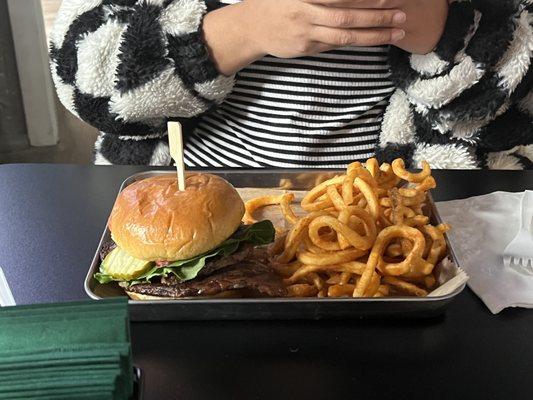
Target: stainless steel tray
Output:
{"points": [[269, 308]]}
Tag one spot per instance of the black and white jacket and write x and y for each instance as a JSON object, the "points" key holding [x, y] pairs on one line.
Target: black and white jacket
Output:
{"points": [[128, 66]]}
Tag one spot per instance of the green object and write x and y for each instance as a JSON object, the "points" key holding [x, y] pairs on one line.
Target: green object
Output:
{"points": [[66, 351], [258, 234], [121, 266], [99, 355]]}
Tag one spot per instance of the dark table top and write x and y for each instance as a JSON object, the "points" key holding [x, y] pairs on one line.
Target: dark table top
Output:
{"points": [[52, 216]]}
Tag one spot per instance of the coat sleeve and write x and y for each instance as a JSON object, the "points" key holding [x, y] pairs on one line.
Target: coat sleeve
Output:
{"points": [[126, 66], [467, 104]]}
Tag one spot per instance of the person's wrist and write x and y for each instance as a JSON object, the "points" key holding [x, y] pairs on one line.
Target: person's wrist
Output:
{"points": [[227, 34], [248, 26], [422, 37]]}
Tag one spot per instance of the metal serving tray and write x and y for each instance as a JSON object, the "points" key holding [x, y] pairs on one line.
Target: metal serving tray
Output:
{"points": [[269, 308]]}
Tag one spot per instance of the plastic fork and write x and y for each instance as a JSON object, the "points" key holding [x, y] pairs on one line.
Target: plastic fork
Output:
{"points": [[519, 253], [6, 297]]}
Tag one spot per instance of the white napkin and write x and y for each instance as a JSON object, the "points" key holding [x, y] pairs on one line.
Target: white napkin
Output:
{"points": [[481, 229], [6, 297]]}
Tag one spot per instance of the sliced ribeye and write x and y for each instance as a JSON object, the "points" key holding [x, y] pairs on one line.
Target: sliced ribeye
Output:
{"points": [[252, 276]]}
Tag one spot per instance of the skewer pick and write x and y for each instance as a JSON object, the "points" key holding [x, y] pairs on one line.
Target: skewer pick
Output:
{"points": [[175, 140]]}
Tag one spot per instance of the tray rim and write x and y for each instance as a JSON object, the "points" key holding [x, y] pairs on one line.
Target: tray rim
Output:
{"points": [[278, 300]]}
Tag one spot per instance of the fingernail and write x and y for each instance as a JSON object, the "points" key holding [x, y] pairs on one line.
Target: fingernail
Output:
{"points": [[399, 18], [397, 35]]}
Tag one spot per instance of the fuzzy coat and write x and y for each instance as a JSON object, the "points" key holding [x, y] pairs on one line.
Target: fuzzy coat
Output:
{"points": [[128, 66]]}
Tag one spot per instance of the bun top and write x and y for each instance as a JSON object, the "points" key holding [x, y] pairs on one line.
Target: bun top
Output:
{"points": [[152, 220]]}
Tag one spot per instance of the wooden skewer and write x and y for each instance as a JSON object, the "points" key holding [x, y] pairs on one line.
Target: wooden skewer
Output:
{"points": [[175, 140]]}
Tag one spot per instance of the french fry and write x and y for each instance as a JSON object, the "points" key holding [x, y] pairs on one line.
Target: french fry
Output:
{"points": [[341, 290], [398, 166], [302, 290], [285, 204], [254, 204], [330, 258], [405, 286]]}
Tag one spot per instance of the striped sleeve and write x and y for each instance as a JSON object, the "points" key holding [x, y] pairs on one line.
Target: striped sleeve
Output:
{"points": [[126, 66], [463, 98]]}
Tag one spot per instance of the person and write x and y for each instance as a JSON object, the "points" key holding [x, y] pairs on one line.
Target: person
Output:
{"points": [[301, 83]]}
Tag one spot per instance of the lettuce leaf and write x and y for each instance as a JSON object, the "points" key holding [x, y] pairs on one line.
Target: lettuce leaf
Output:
{"points": [[258, 234]]}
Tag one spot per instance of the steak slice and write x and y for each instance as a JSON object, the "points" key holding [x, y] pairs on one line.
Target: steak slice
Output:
{"points": [[245, 253], [106, 248], [214, 264], [253, 276]]}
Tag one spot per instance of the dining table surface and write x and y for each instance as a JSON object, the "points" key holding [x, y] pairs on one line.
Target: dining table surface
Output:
{"points": [[51, 220]]}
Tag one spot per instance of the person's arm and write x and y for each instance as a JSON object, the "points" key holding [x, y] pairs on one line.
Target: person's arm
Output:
{"points": [[125, 68], [467, 104]]}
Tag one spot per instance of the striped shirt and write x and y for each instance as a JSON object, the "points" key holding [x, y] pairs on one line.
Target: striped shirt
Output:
{"points": [[315, 112]]}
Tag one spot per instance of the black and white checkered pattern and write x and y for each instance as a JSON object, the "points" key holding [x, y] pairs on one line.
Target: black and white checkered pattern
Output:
{"points": [[127, 66], [468, 104]]}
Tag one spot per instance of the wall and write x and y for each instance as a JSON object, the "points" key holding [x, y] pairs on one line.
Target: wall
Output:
{"points": [[12, 122], [76, 139]]}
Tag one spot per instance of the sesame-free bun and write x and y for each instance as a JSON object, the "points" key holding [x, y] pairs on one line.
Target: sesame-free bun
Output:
{"points": [[152, 220]]}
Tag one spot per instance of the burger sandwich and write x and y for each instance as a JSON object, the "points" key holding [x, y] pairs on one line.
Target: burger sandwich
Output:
{"points": [[168, 243]]}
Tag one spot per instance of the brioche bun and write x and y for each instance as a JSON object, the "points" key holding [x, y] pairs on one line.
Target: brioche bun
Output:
{"points": [[228, 294], [152, 220]]}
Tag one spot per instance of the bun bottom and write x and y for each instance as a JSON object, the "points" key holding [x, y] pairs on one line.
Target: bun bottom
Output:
{"points": [[229, 294]]}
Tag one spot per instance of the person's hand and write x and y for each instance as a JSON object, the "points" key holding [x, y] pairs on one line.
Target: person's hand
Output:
{"points": [[424, 24], [241, 33], [296, 28]]}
